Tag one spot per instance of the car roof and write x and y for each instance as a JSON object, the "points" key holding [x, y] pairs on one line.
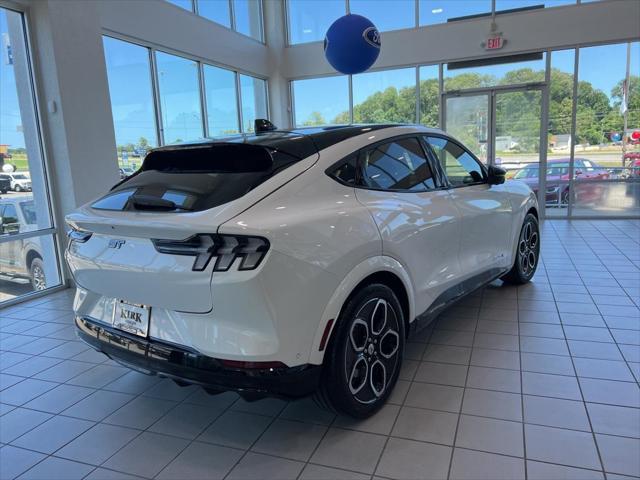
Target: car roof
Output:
{"points": [[299, 142]]}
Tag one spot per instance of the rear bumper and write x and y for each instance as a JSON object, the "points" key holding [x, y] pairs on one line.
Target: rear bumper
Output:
{"points": [[189, 366]]}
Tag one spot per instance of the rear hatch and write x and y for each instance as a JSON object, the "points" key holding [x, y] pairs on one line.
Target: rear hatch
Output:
{"points": [[178, 193]]}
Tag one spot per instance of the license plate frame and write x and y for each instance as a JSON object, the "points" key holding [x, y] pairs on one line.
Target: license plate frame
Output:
{"points": [[131, 317]]}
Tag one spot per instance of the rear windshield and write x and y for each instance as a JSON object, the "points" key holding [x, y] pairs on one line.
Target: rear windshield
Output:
{"points": [[198, 177]]}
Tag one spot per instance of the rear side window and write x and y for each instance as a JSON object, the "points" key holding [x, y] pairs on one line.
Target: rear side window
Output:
{"points": [[197, 177], [400, 165]]}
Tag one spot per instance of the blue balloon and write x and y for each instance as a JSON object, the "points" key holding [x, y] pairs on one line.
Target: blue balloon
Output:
{"points": [[352, 44], [616, 137]]}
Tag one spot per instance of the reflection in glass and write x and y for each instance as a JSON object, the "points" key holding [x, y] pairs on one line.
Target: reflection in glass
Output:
{"points": [[253, 100], [222, 108], [248, 17], [179, 98], [309, 20], [385, 96], [321, 101], [441, 11], [216, 11], [429, 96], [129, 77], [386, 14]]}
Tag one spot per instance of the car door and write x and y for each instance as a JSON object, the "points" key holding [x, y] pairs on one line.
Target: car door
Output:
{"points": [[485, 210], [414, 213]]}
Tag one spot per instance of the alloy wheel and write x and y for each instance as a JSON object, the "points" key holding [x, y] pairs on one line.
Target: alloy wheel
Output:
{"points": [[528, 249], [371, 356]]}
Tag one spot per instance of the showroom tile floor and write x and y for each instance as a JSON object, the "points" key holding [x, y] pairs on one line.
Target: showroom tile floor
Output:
{"points": [[534, 382]]}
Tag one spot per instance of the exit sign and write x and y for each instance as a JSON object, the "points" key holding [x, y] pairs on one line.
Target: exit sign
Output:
{"points": [[495, 42]]}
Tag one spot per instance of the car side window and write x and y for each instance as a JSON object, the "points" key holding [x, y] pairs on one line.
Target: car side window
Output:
{"points": [[399, 165], [458, 165]]}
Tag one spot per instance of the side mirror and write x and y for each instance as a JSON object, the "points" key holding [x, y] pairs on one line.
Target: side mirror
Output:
{"points": [[578, 172], [496, 175]]}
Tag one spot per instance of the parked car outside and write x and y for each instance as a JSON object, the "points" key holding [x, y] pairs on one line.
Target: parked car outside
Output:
{"points": [[19, 181], [294, 262], [5, 184], [125, 172], [21, 258], [557, 187]]}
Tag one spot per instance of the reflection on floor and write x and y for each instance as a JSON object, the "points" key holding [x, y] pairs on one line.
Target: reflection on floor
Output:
{"points": [[540, 380]]}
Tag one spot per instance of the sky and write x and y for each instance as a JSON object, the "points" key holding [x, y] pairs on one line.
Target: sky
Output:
{"points": [[130, 79]]}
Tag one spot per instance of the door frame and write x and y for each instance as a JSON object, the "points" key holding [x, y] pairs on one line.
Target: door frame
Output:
{"points": [[491, 93]]}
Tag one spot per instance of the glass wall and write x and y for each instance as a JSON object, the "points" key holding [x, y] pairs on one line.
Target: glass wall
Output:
{"points": [[592, 170], [28, 257], [221, 98], [607, 156], [321, 101], [246, 18], [254, 101], [438, 11], [146, 117], [132, 106], [386, 14], [308, 20], [385, 96], [179, 92], [216, 11], [430, 96]]}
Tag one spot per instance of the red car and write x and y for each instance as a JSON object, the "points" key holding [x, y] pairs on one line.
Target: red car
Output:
{"points": [[558, 180]]}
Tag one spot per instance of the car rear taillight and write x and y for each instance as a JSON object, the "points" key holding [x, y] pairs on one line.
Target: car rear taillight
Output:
{"points": [[77, 235], [225, 249]]}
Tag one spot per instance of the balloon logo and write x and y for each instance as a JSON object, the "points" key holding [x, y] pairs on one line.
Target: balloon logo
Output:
{"points": [[635, 135], [352, 44]]}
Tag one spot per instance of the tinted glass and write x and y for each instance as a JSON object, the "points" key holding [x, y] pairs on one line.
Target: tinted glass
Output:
{"points": [[222, 108], [458, 164], [179, 98], [347, 171], [398, 165], [216, 11]]}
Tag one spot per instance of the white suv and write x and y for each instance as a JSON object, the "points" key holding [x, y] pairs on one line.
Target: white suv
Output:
{"points": [[19, 181], [288, 262]]}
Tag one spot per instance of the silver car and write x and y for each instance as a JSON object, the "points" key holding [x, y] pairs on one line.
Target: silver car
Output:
{"points": [[21, 258]]}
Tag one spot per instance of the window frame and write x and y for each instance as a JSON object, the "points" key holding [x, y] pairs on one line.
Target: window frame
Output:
{"points": [[445, 177], [437, 179]]}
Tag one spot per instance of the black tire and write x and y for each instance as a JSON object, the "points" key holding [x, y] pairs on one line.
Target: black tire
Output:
{"points": [[527, 253], [362, 345], [36, 274], [17, 188]]}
